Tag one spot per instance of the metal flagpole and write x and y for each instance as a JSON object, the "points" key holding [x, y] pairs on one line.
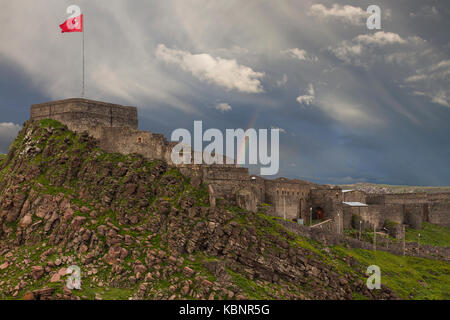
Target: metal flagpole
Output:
{"points": [[84, 26]]}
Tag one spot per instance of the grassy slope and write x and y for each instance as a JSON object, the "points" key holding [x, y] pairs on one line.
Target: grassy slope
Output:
{"points": [[410, 277], [430, 234], [251, 289]]}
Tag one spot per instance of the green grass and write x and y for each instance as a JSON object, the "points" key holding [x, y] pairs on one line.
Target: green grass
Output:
{"points": [[409, 277], [104, 293], [250, 288], [47, 123], [430, 234]]}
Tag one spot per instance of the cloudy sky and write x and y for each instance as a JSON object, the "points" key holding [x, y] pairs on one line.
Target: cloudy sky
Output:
{"points": [[353, 104]]}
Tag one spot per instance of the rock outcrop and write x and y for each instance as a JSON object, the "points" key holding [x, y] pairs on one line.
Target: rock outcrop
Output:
{"points": [[141, 230]]}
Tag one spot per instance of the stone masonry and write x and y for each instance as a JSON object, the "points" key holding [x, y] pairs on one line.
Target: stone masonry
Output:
{"points": [[116, 129]]}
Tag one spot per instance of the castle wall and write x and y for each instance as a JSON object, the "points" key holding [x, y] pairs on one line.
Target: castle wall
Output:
{"points": [[439, 209], [86, 115], [289, 199], [354, 196], [128, 141], [413, 215], [439, 213], [438, 197], [330, 201], [349, 212], [116, 128], [376, 199], [405, 198], [375, 215], [392, 212]]}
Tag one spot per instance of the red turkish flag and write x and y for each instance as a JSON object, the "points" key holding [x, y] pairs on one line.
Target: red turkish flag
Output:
{"points": [[73, 25]]}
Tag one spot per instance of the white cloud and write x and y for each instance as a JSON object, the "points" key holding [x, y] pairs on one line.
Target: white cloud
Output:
{"points": [[300, 54], [8, 132], [223, 107], [345, 13], [444, 64], [352, 52], [380, 38], [222, 72], [348, 53], [308, 98], [282, 81], [441, 97], [432, 82], [416, 78]]}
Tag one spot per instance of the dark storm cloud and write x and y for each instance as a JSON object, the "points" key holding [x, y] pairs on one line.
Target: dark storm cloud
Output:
{"points": [[354, 104]]}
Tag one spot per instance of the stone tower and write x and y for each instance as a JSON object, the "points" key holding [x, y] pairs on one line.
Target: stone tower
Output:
{"points": [[87, 115]]}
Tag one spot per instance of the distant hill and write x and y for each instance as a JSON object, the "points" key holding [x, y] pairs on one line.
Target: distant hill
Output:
{"points": [[385, 188]]}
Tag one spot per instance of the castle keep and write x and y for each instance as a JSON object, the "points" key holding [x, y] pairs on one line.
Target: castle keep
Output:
{"points": [[116, 129]]}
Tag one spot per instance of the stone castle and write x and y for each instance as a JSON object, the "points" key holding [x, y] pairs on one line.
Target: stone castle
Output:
{"points": [[116, 129]]}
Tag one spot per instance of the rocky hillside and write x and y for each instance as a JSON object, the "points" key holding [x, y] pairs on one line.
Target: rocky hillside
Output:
{"points": [[141, 230]]}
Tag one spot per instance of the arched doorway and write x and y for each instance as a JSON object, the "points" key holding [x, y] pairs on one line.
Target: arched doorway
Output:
{"points": [[318, 213]]}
